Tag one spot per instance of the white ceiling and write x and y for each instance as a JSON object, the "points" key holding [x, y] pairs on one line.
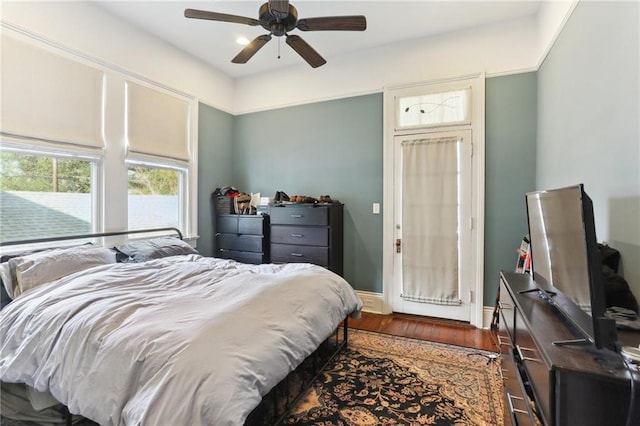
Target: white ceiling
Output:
{"points": [[387, 22]]}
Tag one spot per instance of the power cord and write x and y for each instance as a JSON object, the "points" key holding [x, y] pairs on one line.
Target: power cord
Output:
{"points": [[490, 357]]}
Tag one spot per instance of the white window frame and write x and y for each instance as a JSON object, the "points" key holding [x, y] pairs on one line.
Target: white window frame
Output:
{"points": [[183, 182], [29, 146], [447, 88], [111, 173]]}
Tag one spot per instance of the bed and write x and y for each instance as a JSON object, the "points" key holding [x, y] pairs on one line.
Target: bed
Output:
{"points": [[173, 339]]}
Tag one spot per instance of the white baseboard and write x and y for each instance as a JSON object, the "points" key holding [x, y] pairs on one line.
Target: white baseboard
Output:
{"points": [[371, 302], [374, 303], [487, 316]]}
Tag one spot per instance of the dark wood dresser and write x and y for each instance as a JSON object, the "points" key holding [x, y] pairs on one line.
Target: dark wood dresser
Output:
{"points": [[554, 384], [244, 238], [310, 233]]}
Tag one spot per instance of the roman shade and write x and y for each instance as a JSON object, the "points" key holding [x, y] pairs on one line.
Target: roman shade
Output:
{"points": [[430, 220], [157, 123], [48, 96]]}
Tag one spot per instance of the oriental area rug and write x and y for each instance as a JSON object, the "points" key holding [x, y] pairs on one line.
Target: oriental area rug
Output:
{"points": [[381, 379], [387, 380]]}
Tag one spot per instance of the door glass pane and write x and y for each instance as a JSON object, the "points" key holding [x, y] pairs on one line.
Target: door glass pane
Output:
{"points": [[153, 197], [435, 109], [44, 196]]}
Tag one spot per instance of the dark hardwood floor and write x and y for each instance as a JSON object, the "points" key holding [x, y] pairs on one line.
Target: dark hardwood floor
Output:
{"points": [[427, 328]]}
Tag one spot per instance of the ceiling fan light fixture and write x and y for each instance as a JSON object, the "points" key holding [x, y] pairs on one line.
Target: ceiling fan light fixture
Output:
{"points": [[243, 41], [279, 17]]}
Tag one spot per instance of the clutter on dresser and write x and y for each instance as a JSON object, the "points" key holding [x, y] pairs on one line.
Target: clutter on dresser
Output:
{"points": [[229, 200], [523, 265], [282, 197]]}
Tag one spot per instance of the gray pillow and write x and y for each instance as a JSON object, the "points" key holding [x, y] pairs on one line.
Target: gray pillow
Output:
{"points": [[156, 248]]}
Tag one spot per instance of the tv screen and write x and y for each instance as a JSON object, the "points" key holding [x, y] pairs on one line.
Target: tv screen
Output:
{"points": [[558, 243], [565, 259]]}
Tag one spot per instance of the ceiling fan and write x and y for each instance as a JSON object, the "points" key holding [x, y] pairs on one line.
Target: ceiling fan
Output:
{"points": [[279, 17]]}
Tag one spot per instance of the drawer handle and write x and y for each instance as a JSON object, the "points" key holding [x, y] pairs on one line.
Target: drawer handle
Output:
{"points": [[501, 343], [525, 358], [296, 215], [503, 374], [514, 410], [297, 235], [296, 254]]}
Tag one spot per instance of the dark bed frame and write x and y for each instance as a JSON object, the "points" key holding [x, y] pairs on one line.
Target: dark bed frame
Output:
{"points": [[275, 405]]}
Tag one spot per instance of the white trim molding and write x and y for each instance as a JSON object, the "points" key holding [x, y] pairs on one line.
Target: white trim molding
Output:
{"points": [[487, 316], [477, 82], [372, 302]]}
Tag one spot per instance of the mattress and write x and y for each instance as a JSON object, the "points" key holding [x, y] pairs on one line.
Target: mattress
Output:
{"points": [[179, 340]]}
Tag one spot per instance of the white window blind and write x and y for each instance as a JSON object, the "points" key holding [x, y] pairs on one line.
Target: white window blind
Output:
{"points": [[48, 96], [157, 123]]}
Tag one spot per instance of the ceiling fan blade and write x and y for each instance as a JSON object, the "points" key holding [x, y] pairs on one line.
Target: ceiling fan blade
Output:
{"points": [[223, 17], [307, 52], [279, 8], [251, 49], [333, 23]]}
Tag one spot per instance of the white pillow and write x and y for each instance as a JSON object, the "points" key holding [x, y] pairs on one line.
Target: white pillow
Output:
{"points": [[40, 268]]}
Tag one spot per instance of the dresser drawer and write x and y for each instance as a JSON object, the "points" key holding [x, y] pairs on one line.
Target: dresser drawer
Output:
{"points": [[239, 224], [251, 225], [507, 311], [537, 370], [252, 243], [299, 215], [241, 256], [227, 224], [517, 407], [304, 235], [288, 253]]}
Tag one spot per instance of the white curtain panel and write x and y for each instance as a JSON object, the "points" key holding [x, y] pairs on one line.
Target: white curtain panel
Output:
{"points": [[430, 220]]}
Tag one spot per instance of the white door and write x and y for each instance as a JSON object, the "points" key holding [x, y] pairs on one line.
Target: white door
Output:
{"points": [[432, 216]]}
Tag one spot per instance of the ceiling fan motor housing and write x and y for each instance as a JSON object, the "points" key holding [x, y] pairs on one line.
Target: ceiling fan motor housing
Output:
{"points": [[277, 23]]}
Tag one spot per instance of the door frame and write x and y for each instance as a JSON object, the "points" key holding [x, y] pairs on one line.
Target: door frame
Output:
{"points": [[461, 312], [477, 84]]}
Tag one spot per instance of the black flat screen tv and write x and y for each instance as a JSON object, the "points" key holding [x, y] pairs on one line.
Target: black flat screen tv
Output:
{"points": [[566, 263]]}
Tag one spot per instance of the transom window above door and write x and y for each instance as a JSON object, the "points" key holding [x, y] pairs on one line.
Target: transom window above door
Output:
{"points": [[434, 109]]}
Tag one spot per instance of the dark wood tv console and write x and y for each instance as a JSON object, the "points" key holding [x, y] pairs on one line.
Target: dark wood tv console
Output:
{"points": [[558, 384]]}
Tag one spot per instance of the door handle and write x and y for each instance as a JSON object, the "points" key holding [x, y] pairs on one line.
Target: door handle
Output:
{"points": [[398, 245]]}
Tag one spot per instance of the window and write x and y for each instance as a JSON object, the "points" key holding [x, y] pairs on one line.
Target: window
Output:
{"points": [[45, 194], [115, 150], [435, 109], [155, 196]]}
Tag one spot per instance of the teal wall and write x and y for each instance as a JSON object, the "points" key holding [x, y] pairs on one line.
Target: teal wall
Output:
{"points": [[575, 120], [335, 148], [589, 121], [510, 138], [215, 133], [326, 148]]}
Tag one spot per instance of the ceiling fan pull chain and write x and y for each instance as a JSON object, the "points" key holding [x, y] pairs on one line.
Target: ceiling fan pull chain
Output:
{"points": [[279, 40]]}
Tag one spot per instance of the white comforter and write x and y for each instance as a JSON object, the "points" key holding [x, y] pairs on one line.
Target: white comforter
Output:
{"points": [[185, 340]]}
